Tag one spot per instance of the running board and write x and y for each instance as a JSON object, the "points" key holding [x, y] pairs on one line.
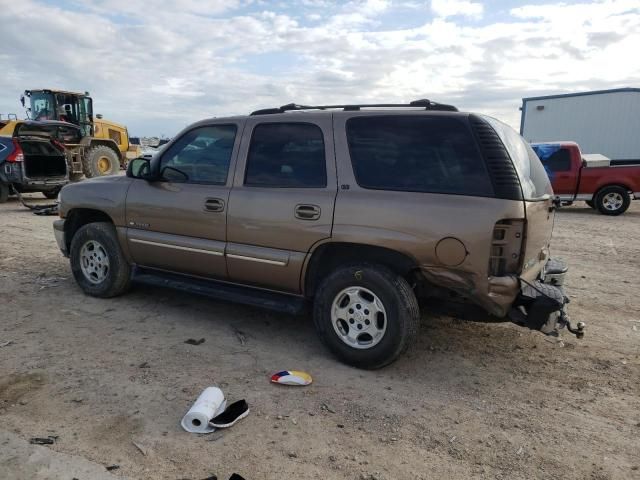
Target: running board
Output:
{"points": [[228, 292]]}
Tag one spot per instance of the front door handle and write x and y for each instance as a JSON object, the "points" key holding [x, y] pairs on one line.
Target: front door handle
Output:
{"points": [[307, 212], [214, 205]]}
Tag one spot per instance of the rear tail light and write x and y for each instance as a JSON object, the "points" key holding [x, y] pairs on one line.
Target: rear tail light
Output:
{"points": [[17, 155], [506, 247]]}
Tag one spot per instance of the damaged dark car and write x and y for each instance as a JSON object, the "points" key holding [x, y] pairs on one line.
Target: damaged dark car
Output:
{"points": [[34, 158]]}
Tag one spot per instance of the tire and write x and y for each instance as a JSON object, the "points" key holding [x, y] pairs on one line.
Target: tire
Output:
{"points": [[401, 317], [590, 203], [91, 244], [99, 161], [613, 200], [4, 192], [52, 194]]}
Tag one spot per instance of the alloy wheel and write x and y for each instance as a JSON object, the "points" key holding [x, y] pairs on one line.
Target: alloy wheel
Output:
{"points": [[612, 201], [358, 317], [94, 262]]}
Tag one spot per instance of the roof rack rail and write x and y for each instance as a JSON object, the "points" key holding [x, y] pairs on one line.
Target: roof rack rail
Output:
{"points": [[424, 103]]}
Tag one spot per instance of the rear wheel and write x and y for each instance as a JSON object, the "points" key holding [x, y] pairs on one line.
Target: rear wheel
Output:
{"points": [[97, 262], [4, 192], [591, 204], [366, 315], [101, 160], [613, 200]]}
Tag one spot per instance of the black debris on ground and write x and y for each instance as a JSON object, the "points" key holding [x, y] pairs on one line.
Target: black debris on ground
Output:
{"points": [[50, 440]]}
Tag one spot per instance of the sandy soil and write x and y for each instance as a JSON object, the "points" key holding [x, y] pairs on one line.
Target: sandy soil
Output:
{"points": [[471, 400]]}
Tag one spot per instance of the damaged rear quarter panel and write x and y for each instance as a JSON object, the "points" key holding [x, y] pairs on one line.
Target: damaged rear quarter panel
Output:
{"points": [[413, 224]]}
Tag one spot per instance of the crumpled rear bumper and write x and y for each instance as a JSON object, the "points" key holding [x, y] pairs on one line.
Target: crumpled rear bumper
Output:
{"points": [[540, 305], [14, 174]]}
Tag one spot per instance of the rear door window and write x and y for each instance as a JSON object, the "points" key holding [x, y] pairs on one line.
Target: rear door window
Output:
{"points": [[286, 155], [435, 154]]}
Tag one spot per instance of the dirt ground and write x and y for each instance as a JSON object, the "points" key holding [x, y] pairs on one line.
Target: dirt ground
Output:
{"points": [[470, 400]]}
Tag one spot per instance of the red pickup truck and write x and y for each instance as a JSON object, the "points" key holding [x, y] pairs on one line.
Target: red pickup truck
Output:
{"points": [[606, 185]]}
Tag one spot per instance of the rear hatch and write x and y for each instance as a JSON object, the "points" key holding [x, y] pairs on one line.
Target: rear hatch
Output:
{"points": [[538, 199], [43, 159], [44, 156]]}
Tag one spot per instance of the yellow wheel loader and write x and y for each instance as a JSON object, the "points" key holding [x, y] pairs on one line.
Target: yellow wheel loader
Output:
{"points": [[104, 147]]}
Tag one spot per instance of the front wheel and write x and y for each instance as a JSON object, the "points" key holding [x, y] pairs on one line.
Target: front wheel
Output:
{"points": [[590, 203], [101, 160], [613, 200], [97, 261], [366, 315]]}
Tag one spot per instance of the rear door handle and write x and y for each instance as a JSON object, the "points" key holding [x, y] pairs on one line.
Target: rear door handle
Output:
{"points": [[307, 212], [214, 205]]}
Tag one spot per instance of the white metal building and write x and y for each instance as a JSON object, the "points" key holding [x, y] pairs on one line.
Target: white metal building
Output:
{"points": [[603, 121]]}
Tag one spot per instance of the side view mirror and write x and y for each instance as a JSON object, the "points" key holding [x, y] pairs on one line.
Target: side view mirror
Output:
{"points": [[139, 168]]}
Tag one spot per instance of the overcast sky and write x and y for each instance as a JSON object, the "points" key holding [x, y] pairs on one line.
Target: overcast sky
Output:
{"points": [[158, 65]]}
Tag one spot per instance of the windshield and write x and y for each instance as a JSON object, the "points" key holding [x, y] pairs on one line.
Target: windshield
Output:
{"points": [[533, 177], [42, 106], [66, 107]]}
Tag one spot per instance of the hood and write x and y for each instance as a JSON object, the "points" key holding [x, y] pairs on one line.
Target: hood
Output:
{"points": [[108, 179], [106, 123]]}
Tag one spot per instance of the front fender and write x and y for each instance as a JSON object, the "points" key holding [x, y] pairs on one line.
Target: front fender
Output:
{"points": [[105, 194]]}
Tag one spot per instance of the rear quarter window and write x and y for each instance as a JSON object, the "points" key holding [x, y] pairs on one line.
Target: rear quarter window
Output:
{"points": [[412, 153], [533, 177]]}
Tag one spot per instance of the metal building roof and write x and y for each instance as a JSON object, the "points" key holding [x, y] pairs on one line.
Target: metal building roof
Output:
{"points": [[582, 94]]}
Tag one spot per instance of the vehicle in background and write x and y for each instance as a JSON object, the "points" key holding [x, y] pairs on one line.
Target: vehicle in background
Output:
{"points": [[33, 159], [10, 116], [602, 121], [358, 209], [150, 152], [104, 146], [606, 185]]}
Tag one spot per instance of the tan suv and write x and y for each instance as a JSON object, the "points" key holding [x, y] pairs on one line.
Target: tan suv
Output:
{"points": [[359, 209]]}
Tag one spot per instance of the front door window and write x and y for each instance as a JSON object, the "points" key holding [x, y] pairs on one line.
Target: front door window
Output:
{"points": [[200, 156]]}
